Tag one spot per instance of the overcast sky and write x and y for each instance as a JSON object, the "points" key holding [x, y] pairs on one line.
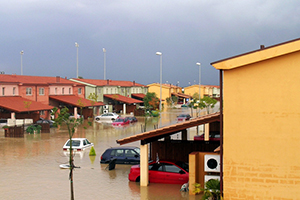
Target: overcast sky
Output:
{"points": [[132, 31]]}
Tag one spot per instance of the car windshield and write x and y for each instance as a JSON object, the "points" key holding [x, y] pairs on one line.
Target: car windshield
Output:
{"points": [[182, 115], [119, 120], [137, 150], [183, 165], [75, 143]]}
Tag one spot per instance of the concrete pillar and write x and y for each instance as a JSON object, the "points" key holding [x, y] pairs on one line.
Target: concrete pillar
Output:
{"points": [[144, 166], [206, 132], [75, 112], [124, 109], [12, 115]]}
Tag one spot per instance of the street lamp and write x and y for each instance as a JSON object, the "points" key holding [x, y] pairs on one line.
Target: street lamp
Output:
{"points": [[77, 45], [22, 52], [160, 54], [199, 64], [104, 52]]}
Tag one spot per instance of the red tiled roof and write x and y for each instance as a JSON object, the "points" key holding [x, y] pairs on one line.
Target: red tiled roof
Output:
{"points": [[19, 104], [110, 82], [21, 79], [138, 95], [122, 98], [181, 95], [74, 100], [172, 129]]}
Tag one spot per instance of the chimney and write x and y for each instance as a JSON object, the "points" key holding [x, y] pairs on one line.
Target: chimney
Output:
{"points": [[57, 79], [107, 82], [133, 83], [262, 46]]}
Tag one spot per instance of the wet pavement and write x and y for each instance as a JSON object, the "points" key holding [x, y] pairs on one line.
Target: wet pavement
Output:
{"points": [[30, 165]]}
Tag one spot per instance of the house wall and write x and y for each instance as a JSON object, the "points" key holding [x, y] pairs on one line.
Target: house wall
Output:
{"points": [[156, 89], [191, 90], [8, 89], [261, 131]]}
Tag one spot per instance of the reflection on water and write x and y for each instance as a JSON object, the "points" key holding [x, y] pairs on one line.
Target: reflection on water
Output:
{"points": [[30, 165]]}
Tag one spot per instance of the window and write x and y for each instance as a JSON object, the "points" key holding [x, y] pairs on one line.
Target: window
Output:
{"points": [[55, 91], [172, 168], [130, 153], [3, 91], [28, 91], [79, 91], [156, 167], [99, 90], [69, 90], [41, 91], [14, 90], [117, 152], [63, 91]]}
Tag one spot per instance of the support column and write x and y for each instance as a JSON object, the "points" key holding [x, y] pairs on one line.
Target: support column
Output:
{"points": [[184, 135], [206, 132], [75, 112], [12, 115], [144, 166], [124, 109]]}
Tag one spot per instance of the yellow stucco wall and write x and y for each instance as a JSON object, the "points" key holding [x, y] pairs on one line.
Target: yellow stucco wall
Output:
{"points": [[261, 157], [191, 90], [166, 92]]}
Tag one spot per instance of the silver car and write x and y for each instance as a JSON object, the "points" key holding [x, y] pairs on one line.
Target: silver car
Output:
{"points": [[107, 117]]}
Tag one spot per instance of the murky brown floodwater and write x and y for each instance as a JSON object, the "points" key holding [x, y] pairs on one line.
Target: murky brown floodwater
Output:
{"points": [[30, 166]]}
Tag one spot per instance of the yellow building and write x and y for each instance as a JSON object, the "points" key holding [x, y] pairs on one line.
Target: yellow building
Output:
{"points": [[206, 90], [261, 112], [167, 90]]}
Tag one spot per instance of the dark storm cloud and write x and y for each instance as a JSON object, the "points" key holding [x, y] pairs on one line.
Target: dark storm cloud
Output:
{"points": [[132, 31]]}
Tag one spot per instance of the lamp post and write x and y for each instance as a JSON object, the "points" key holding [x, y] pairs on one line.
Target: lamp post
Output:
{"points": [[22, 52], [77, 45], [104, 52], [160, 54], [199, 64]]}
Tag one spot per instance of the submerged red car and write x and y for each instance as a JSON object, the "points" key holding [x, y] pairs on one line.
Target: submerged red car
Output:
{"points": [[183, 117], [163, 172], [121, 121]]}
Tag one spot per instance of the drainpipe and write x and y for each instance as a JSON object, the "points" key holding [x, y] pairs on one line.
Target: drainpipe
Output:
{"points": [[221, 131]]}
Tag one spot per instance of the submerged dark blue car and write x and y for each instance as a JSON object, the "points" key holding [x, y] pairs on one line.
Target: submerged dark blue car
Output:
{"points": [[122, 155]]}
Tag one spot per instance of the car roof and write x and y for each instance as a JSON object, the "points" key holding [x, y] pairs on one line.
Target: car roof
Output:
{"points": [[125, 147]]}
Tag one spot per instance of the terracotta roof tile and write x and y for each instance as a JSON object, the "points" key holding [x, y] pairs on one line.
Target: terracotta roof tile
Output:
{"points": [[74, 100], [138, 95], [122, 98], [110, 82], [19, 104], [172, 129]]}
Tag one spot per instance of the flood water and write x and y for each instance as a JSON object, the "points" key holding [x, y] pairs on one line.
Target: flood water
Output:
{"points": [[30, 165]]}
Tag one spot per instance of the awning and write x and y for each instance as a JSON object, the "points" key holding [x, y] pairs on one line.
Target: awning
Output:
{"points": [[182, 95], [75, 100], [20, 104], [156, 134], [123, 99]]}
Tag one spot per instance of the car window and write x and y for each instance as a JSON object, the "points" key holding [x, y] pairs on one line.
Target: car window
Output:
{"points": [[183, 165], [75, 143], [171, 168], [156, 167], [87, 141], [137, 150], [130, 153], [84, 142]]}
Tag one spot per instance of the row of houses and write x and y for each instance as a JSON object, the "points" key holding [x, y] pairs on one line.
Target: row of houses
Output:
{"points": [[34, 96]]}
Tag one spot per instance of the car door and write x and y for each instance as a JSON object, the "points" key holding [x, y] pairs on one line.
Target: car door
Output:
{"points": [[131, 156], [174, 174], [156, 173]]}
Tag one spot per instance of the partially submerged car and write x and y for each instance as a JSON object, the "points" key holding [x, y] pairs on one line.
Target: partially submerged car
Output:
{"points": [[78, 144], [213, 136], [121, 121], [183, 117], [107, 117], [163, 172], [122, 155]]}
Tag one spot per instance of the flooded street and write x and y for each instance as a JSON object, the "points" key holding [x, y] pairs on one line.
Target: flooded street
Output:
{"points": [[30, 165]]}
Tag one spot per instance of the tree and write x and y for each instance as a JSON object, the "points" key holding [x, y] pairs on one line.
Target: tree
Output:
{"points": [[63, 117], [208, 102], [171, 101], [151, 101]]}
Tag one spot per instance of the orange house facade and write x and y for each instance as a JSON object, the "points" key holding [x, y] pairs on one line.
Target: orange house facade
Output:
{"points": [[261, 114]]}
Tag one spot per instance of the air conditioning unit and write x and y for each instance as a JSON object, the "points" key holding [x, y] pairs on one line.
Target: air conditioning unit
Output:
{"points": [[105, 107], [208, 177], [211, 163], [105, 111]]}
